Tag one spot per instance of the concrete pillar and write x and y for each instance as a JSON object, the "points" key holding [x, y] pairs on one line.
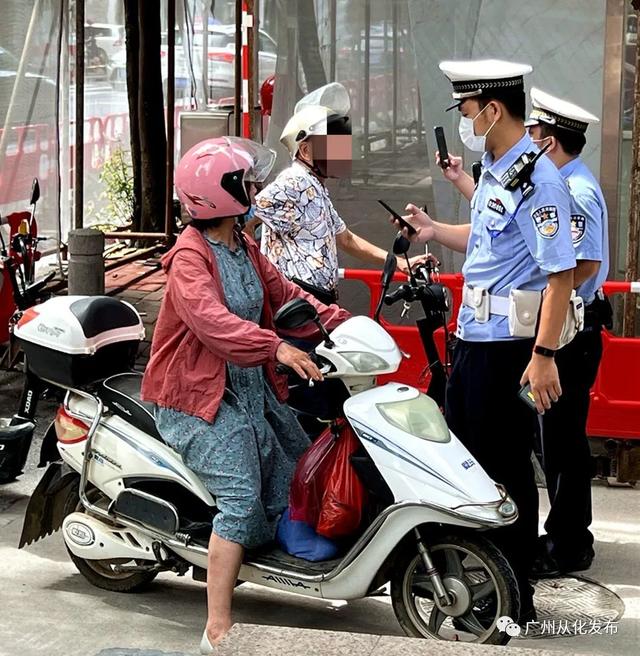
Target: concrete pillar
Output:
{"points": [[86, 262]]}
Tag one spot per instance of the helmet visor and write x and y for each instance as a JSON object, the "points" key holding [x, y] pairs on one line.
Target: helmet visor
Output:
{"points": [[263, 158], [333, 96]]}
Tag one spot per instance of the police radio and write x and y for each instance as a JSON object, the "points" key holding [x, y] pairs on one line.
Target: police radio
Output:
{"points": [[518, 176]]}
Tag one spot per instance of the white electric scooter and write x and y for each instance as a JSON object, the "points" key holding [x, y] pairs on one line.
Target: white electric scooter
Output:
{"points": [[129, 507]]}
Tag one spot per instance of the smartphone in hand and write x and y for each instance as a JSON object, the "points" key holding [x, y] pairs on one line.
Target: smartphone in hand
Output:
{"points": [[410, 229], [441, 142], [526, 395]]}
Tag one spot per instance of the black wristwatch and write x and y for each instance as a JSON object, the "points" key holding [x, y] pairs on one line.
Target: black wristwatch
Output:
{"points": [[545, 352]]}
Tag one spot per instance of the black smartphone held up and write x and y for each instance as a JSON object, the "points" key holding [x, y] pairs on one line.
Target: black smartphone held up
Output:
{"points": [[398, 218], [526, 395], [441, 142]]}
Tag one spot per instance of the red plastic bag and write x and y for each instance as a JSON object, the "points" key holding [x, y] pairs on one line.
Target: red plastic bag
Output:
{"points": [[344, 494], [308, 485]]}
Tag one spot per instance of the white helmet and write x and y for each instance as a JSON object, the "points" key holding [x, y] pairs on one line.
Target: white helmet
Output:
{"points": [[319, 113], [311, 120]]}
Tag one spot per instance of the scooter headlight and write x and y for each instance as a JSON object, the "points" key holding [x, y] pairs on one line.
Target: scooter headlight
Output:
{"points": [[363, 362]]}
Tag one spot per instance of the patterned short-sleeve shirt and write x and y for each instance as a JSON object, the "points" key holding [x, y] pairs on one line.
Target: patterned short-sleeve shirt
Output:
{"points": [[300, 227]]}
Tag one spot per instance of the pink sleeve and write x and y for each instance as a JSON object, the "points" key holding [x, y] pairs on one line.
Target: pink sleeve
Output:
{"points": [[195, 297]]}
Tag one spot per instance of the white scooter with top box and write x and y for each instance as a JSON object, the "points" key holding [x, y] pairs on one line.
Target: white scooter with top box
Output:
{"points": [[129, 508]]}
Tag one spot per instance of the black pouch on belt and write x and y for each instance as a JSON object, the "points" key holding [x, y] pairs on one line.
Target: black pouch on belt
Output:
{"points": [[599, 311]]}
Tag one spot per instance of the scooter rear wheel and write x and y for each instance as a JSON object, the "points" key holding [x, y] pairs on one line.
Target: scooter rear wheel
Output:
{"points": [[479, 580], [101, 573]]}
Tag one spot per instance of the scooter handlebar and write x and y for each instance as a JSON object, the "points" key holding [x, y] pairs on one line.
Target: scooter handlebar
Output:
{"points": [[402, 293], [321, 363]]}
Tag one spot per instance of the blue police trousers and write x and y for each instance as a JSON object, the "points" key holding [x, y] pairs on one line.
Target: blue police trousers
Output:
{"points": [[566, 457], [483, 410]]}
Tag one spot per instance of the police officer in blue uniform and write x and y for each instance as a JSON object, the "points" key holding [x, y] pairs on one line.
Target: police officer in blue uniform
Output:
{"points": [[519, 239], [560, 126]]}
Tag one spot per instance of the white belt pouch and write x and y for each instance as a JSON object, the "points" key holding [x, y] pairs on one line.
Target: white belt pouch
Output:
{"points": [[524, 307], [574, 322]]}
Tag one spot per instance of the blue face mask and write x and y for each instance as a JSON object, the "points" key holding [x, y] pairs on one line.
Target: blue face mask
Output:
{"points": [[250, 213]]}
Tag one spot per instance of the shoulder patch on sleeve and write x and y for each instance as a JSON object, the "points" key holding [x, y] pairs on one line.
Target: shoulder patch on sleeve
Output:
{"points": [[545, 220], [578, 226]]}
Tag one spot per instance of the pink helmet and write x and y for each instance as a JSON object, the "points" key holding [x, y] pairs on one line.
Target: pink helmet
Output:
{"points": [[210, 178]]}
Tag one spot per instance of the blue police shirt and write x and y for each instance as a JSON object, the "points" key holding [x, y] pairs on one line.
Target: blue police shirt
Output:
{"points": [[589, 223], [514, 243]]}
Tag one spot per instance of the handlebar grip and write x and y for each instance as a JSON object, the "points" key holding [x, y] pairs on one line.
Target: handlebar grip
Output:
{"points": [[395, 296]]}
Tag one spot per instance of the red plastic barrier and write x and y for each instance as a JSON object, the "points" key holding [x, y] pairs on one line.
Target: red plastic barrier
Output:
{"points": [[615, 397], [115, 127], [29, 151], [413, 369], [94, 145]]}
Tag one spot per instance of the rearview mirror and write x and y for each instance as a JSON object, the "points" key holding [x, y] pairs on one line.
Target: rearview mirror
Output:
{"points": [[35, 191], [390, 266], [401, 244], [295, 314]]}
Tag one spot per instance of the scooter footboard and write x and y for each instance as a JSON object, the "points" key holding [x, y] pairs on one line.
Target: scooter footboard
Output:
{"points": [[353, 578]]}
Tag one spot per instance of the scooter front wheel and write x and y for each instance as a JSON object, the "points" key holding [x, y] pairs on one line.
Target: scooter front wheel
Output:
{"points": [[481, 587]]}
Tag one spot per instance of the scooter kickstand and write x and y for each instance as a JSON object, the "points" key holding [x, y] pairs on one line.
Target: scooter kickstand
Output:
{"points": [[444, 598], [168, 563]]}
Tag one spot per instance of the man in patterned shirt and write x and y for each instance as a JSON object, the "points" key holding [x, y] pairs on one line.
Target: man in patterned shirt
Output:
{"points": [[302, 231]]}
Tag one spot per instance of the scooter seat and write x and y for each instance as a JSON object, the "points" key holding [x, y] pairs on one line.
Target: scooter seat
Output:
{"points": [[121, 393]]}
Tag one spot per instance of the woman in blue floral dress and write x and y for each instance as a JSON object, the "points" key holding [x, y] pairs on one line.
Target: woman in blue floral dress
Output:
{"points": [[212, 372]]}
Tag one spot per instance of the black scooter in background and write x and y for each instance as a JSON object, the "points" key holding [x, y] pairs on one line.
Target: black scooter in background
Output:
{"points": [[16, 433]]}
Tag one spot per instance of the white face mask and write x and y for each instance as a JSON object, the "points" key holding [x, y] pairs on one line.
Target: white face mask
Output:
{"points": [[474, 142]]}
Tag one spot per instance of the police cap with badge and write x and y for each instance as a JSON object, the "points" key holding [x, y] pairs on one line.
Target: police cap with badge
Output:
{"points": [[491, 78], [558, 113], [494, 79]]}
